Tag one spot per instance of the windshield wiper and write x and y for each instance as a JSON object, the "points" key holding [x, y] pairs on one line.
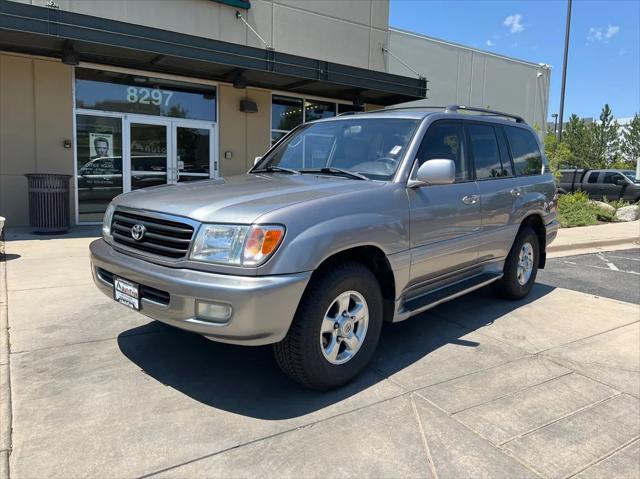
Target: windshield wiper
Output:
{"points": [[332, 170], [276, 169]]}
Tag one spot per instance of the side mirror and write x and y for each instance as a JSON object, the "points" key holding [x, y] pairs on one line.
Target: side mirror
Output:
{"points": [[434, 172], [256, 160]]}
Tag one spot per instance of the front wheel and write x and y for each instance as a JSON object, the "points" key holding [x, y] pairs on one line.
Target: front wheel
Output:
{"points": [[335, 330], [520, 267]]}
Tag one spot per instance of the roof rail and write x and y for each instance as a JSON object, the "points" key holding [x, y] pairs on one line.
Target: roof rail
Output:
{"points": [[455, 108], [393, 108], [447, 109]]}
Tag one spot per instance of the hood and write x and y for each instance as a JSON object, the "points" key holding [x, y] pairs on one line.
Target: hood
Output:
{"points": [[240, 199]]}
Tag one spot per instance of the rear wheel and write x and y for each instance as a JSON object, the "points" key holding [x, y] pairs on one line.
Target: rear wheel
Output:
{"points": [[335, 330], [520, 267]]}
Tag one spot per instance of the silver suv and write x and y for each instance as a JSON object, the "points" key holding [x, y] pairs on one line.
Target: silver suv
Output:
{"points": [[343, 224]]}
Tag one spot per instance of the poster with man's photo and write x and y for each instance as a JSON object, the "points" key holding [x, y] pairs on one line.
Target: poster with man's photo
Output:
{"points": [[100, 145]]}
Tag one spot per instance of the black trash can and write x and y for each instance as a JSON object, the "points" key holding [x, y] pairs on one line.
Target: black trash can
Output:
{"points": [[48, 202]]}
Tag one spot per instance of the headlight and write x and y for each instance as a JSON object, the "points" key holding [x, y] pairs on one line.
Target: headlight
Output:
{"points": [[106, 222], [237, 245]]}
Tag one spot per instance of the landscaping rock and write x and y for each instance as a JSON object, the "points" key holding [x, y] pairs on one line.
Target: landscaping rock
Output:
{"points": [[603, 206], [628, 213]]}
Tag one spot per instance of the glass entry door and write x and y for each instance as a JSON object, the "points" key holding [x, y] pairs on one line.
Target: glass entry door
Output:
{"points": [[193, 151], [149, 160], [159, 151]]}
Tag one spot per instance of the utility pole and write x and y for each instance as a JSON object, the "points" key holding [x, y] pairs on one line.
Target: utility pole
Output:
{"points": [[564, 68]]}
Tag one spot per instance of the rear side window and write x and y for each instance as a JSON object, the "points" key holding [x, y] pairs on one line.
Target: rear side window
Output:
{"points": [[527, 159], [486, 152], [593, 177], [443, 141]]}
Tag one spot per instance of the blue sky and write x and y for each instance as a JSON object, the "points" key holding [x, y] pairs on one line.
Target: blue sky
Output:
{"points": [[604, 55]]}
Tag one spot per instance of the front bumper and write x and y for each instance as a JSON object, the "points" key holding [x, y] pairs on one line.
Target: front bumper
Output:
{"points": [[262, 306]]}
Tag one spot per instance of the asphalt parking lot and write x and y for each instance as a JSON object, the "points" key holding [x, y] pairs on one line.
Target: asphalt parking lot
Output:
{"points": [[478, 387], [610, 274]]}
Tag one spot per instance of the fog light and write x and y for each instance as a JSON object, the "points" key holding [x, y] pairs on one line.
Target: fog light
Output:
{"points": [[215, 312]]}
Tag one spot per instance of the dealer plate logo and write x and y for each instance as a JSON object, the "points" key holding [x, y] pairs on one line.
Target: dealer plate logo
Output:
{"points": [[138, 231]]}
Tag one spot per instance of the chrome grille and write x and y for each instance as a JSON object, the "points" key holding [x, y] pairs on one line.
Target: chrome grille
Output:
{"points": [[162, 237]]}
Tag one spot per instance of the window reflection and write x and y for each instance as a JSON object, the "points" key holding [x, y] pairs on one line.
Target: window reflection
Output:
{"points": [[286, 113], [148, 155], [112, 91], [193, 153], [316, 110], [99, 163]]}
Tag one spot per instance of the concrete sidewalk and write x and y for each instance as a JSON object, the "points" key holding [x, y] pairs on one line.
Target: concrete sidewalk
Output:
{"points": [[591, 239], [478, 387]]}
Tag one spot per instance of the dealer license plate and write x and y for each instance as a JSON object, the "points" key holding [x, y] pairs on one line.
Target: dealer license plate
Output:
{"points": [[127, 293]]}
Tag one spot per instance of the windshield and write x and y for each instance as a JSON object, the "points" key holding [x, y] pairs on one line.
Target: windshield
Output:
{"points": [[631, 175], [370, 147]]}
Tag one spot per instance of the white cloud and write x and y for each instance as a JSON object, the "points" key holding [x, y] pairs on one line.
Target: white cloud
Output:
{"points": [[490, 43], [514, 23], [611, 31], [601, 34]]}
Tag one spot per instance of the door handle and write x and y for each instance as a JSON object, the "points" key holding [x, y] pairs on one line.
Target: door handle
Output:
{"points": [[516, 192], [470, 199]]}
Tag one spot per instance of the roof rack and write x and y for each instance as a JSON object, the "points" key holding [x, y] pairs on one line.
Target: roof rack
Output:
{"points": [[393, 108], [447, 109], [455, 108]]}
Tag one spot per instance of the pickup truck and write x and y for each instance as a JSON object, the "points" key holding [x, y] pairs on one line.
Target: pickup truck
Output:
{"points": [[344, 224], [600, 184]]}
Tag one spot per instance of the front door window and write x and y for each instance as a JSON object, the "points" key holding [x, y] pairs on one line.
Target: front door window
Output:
{"points": [[148, 153], [193, 153]]}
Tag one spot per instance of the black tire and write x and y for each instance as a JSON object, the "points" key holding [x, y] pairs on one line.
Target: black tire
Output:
{"points": [[300, 355], [508, 286]]}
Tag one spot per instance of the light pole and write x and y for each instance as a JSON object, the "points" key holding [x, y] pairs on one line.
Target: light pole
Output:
{"points": [[564, 67], [555, 124]]}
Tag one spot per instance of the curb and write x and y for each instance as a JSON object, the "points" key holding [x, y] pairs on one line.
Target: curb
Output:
{"points": [[592, 244], [5, 379]]}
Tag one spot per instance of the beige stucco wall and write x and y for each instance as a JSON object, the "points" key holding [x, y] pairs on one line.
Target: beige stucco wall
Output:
{"points": [[347, 32], [35, 118], [245, 135], [466, 76]]}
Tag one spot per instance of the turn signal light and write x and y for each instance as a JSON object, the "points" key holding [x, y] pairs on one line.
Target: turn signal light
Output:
{"points": [[261, 242]]}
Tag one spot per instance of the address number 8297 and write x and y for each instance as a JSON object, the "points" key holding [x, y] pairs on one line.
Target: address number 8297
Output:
{"points": [[148, 96]]}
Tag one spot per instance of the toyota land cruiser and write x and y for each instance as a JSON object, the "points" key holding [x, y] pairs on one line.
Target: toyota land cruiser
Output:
{"points": [[343, 224]]}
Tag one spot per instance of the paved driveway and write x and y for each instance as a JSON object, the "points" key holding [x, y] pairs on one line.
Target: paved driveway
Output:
{"points": [[478, 387]]}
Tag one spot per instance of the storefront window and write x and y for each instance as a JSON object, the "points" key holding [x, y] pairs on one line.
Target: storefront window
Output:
{"points": [[99, 160], [288, 112], [112, 91], [316, 110], [344, 108]]}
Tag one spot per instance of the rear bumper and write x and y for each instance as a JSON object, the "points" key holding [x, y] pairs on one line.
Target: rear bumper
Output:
{"points": [[262, 306]]}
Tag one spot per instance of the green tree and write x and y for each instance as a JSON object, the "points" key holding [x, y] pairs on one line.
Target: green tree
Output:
{"points": [[606, 139], [631, 141], [577, 138], [558, 154]]}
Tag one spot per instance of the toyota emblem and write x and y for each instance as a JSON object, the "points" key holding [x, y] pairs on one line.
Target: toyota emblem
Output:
{"points": [[138, 231]]}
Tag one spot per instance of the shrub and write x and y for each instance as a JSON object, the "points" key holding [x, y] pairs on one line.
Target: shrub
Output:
{"points": [[574, 209], [616, 203]]}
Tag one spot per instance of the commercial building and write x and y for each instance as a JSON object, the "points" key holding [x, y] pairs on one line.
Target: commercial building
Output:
{"points": [[124, 94]]}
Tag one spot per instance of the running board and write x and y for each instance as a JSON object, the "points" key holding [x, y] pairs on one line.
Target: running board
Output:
{"points": [[434, 298]]}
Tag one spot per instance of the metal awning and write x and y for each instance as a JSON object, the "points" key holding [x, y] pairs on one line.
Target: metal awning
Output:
{"points": [[45, 31]]}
